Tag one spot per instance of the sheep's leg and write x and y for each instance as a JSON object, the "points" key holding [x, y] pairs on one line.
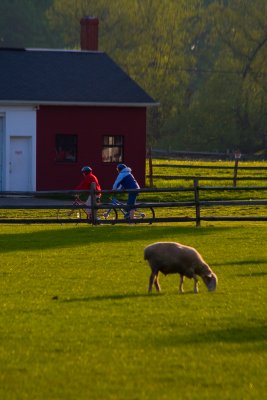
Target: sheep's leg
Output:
{"points": [[156, 282], [153, 279], [181, 289], [195, 283]]}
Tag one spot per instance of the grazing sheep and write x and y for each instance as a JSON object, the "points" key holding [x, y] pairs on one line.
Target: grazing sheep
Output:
{"points": [[172, 258]]}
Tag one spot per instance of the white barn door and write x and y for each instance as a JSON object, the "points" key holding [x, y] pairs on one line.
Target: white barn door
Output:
{"points": [[20, 171]]}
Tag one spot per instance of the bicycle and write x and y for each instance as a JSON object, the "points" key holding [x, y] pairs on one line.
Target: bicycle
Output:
{"points": [[81, 213]]}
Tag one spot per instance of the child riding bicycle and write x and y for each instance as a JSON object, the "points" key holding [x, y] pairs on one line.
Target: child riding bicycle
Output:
{"points": [[126, 180], [85, 184]]}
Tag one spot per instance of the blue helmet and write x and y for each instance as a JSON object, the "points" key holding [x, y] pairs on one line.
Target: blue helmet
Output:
{"points": [[120, 167], [86, 169]]}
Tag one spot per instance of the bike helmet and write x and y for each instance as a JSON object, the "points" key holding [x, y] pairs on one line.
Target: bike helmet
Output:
{"points": [[86, 169], [120, 167]]}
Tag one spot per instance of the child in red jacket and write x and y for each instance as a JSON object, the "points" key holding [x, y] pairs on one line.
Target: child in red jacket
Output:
{"points": [[85, 184]]}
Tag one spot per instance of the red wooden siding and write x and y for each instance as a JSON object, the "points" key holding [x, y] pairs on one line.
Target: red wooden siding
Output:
{"points": [[90, 124]]}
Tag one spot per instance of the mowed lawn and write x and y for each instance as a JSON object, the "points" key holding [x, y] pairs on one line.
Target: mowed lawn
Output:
{"points": [[77, 322]]}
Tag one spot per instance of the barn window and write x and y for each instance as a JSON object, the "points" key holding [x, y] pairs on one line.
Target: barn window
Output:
{"points": [[112, 150], [66, 148]]}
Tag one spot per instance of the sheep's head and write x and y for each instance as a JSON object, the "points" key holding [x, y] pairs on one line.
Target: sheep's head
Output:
{"points": [[210, 281]]}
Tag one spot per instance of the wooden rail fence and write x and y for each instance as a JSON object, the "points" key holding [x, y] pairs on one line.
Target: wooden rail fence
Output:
{"points": [[235, 168], [197, 204]]}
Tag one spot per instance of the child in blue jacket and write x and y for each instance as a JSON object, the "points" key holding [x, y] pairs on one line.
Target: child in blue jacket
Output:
{"points": [[126, 180]]}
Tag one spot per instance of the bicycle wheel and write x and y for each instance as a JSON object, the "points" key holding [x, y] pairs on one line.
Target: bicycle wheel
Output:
{"points": [[108, 214], [145, 213]]}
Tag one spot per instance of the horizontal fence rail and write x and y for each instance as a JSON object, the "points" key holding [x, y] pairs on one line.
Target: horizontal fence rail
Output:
{"points": [[202, 155], [208, 167], [208, 178], [164, 211]]}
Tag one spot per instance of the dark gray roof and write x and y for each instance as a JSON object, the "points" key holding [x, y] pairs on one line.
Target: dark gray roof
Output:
{"points": [[30, 76]]}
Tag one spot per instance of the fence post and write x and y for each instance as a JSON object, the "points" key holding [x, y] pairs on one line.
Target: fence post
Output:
{"points": [[149, 153], [93, 202], [237, 157], [196, 192]]}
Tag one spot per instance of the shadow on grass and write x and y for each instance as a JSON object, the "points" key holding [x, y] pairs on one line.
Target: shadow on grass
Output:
{"points": [[242, 262], [252, 274], [239, 335], [122, 296], [60, 238], [111, 297]]}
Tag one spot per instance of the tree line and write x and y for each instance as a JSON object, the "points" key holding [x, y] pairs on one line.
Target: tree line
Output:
{"points": [[202, 60]]}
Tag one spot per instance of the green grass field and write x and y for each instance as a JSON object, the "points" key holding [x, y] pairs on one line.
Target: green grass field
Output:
{"points": [[77, 322]]}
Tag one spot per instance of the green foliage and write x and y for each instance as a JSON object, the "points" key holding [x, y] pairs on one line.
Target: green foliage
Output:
{"points": [[23, 24], [77, 322], [239, 37], [197, 58]]}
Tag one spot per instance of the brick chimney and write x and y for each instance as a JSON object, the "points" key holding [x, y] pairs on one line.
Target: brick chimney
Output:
{"points": [[89, 33]]}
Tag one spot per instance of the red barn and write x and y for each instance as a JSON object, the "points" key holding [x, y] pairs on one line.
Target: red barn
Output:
{"points": [[63, 109]]}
